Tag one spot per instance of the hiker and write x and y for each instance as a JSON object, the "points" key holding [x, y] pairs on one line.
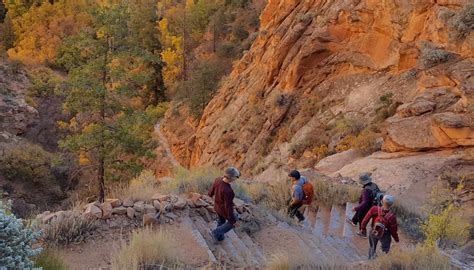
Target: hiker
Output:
{"points": [[223, 195], [383, 227], [366, 201], [297, 195]]}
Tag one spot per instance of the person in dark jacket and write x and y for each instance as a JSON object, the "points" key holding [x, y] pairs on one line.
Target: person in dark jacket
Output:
{"points": [[223, 196], [369, 190], [382, 215]]}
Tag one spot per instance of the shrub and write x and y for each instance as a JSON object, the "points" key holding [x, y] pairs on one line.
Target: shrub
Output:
{"points": [[346, 143], [408, 220], [27, 162], [333, 193], [432, 56], [147, 248], [68, 228], [366, 142], [50, 260], [462, 23], [16, 241], [195, 180], [140, 188], [320, 151], [348, 126], [446, 228], [43, 82], [282, 261], [422, 257]]}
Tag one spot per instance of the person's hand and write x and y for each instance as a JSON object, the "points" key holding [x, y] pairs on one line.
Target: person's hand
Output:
{"points": [[237, 224]]}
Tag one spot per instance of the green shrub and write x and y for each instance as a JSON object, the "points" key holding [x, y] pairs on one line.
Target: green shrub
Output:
{"points": [[27, 162], [44, 82], [432, 55], [447, 228], [422, 257], [50, 260]]}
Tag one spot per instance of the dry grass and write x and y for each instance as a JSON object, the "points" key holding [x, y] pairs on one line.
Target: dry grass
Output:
{"points": [[50, 260], [333, 193], [140, 188], [147, 248], [194, 180], [281, 261], [422, 257], [67, 229]]}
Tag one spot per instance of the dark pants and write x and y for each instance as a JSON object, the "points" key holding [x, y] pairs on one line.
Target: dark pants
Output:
{"points": [[358, 217], [223, 226], [385, 241], [294, 211]]}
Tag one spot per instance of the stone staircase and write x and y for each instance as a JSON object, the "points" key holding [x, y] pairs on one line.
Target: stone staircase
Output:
{"points": [[326, 237]]}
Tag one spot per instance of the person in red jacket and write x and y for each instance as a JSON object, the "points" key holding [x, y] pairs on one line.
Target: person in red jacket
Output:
{"points": [[384, 226], [223, 195]]}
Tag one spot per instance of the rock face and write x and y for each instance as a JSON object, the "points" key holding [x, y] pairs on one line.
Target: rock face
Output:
{"points": [[315, 62]]}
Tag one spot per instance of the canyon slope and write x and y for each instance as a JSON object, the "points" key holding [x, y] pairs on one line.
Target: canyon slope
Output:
{"points": [[403, 67]]}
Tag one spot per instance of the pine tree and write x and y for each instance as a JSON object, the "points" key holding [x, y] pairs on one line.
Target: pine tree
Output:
{"points": [[106, 73]]}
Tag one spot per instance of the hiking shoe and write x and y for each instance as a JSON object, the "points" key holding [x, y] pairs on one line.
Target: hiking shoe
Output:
{"points": [[351, 222], [361, 234]]}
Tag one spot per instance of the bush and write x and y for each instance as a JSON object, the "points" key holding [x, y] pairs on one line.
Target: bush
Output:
{"points": [[408, 220], [366, 142], [462, 22], [195, 180], [27, 162], [432, 56], [16, 241], [43, 82], [50, 260], [68, 228], [147, 248], [447, 228], [333, 193], [422, 257]]}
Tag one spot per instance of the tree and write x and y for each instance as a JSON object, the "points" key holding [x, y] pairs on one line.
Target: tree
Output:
{"points": [[3, 11], [8, 35], [106, 73]]}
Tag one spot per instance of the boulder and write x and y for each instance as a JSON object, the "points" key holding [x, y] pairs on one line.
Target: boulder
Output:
{"points": [[130, 212], [200, 203], [93, 211], [114, 202], [121, 210], [150, 219], [128, 203], [161, 197], [157, 205], [180, 203], [418, 107], [171, 215], [148, 208], [106, 208], [166, 207], [139, 206]]}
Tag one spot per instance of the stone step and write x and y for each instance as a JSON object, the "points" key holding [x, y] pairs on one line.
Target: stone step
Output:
{"points": [[252, 246], [321, 224], [243, 250], [218, 251], [335, 222], [348, 231], [200, 239]]}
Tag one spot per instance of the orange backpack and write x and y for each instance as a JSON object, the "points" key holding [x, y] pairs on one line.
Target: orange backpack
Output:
{"points": [[308, 191]]}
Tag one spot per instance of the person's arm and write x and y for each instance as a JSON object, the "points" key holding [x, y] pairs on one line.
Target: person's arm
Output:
{"points": [[298, 195], [211, 191], [366, 200], [229, 206], [393, 227], [368, 216]]}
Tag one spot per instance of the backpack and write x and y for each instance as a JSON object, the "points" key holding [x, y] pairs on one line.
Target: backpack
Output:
{"points": [[381, 223], [375, 194], [308, 191]]}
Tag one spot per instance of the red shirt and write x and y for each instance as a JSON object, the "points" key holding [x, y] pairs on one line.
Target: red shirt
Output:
{"points": [[391, 220], [223, 199]]}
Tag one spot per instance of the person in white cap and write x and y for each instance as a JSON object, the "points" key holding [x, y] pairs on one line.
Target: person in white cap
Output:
{"points": [[223, 195], [384, 226]]}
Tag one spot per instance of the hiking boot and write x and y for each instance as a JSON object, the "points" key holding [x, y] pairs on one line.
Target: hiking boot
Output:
{"points": [[362, 234], [214, 239], [351, 222]]}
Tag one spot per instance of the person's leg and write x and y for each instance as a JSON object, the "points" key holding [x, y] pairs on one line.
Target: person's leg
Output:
{"points": [[220, 220], [372, 246], [298, 213], [220, 231], [385, 242]]}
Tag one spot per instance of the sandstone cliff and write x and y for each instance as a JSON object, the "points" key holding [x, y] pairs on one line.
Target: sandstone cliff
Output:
{"points": [[317, 62]]}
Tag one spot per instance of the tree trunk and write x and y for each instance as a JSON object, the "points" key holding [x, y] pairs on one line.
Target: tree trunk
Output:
{"points": [[101, 168], [101, 180]]}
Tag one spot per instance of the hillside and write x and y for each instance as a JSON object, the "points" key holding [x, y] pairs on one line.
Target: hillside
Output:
{"points": [[392, 76]]}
